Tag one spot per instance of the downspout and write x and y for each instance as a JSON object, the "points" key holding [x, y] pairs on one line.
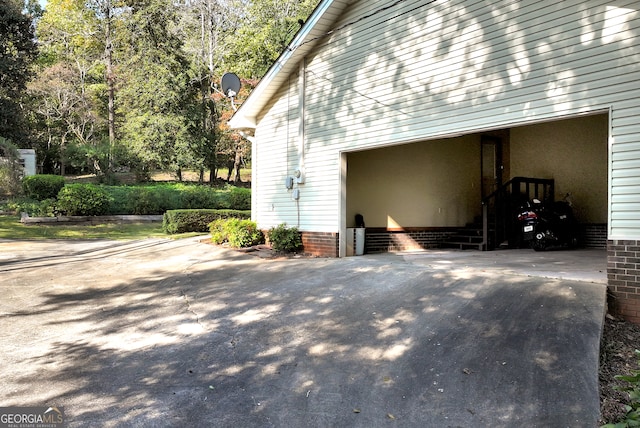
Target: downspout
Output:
{"points": [[302, 82]]}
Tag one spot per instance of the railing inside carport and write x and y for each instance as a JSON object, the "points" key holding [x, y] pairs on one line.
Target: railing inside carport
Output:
{"points": [[501, 207]]}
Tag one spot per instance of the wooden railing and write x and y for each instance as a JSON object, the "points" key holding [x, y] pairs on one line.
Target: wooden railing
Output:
{"points": [[501, 207]]}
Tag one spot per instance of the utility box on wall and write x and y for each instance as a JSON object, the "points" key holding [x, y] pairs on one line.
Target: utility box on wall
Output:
{"points": [[355, 241]]}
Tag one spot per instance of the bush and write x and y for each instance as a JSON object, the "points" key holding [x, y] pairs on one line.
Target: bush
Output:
{"points": [[199, 197], [156, 199], [238, 233], [240, 198], [45, 208], [42, 186], [83, 199], [286, 239], [180, 221], [632, 417]]}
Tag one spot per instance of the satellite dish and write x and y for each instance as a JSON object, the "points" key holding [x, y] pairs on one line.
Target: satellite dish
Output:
{"points": [[230, 85]]}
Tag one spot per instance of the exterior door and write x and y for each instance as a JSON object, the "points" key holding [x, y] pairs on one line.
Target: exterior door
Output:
{"points": [[491, 164]]}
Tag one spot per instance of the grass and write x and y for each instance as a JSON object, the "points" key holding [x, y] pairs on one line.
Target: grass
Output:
{"points": [[11, 228], [161, 176]]}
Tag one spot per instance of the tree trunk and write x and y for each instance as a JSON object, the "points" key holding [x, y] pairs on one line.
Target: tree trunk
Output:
{"points": [[237, 165], [110, 84], [212, 176]]}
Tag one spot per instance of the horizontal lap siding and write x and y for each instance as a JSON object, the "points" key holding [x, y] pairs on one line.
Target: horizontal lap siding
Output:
{"points": [[275, 157], [419, 70]]}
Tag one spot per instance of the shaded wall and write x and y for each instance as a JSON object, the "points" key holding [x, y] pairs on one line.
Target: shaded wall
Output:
{"points": [[434, 184], [574, 153]]}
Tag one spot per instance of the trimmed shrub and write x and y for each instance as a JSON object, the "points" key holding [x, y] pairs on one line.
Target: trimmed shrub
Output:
{"points": [[156, 199], [202, 197], [180, 221], [237, 232], [285, 239], [83, 199], [240, 198], [42, 186]]}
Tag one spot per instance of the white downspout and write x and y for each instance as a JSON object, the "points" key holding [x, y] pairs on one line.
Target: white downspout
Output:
{"points": [[299, 174]]}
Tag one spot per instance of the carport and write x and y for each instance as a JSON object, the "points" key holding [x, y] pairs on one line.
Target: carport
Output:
{"points": [[416, 195]]}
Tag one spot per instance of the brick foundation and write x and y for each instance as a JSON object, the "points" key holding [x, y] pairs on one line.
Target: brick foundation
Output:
{"points": [[593, 235], [382, 240], [623, 273], [321, 244]]}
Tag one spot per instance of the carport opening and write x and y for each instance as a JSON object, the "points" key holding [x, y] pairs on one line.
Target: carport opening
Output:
{"points": [[420, 195]]}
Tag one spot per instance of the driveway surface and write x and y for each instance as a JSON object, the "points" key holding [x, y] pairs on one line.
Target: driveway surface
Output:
{"points": [[181, 333]]}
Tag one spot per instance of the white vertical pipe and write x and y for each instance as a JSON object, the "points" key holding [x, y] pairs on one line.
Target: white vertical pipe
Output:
{"points": [[302, 82]]}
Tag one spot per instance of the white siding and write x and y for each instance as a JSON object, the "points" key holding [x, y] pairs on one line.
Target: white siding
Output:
{"points": [[275, 158], [420, 70]]}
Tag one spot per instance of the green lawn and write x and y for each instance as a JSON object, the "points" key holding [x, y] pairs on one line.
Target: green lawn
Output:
{"points": [[11, 228]]}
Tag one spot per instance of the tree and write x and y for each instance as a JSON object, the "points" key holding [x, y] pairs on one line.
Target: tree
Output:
{"points": [[11, 170], [69, 87], [138, 76], [68, 114], [17, 53], [267, 27], [155, 93]]}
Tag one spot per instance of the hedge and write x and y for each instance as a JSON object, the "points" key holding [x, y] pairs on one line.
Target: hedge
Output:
{"points": [[180, 221], [156, 199], [83, 199], [42, 186]]}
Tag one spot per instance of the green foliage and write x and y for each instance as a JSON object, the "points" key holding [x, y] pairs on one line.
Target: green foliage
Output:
{"points": [[286, 239], [83, 199], [17, 52], [158, 198], [139, 200], [632, 418], [237, 232], [32, 207], [204, 197], [42, 186], [10, 168], [142, 200], [238, 198], [180, 221], [271, 26]]}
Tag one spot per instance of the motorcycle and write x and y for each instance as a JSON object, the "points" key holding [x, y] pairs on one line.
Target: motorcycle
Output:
{"points": [[546, 225]]}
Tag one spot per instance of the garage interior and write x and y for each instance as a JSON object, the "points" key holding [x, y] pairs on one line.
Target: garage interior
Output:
{"points": [[422, 195]]}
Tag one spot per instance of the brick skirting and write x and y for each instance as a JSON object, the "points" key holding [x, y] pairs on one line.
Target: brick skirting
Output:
{"points": [[623, 273], [382, 240], [321, 244], [593, 235]]}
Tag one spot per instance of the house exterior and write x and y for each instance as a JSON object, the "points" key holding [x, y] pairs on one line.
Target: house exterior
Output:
{"points": [[412, 113]]}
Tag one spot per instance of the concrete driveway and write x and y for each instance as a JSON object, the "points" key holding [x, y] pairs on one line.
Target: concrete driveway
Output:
{"points": [[181, 333]]}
